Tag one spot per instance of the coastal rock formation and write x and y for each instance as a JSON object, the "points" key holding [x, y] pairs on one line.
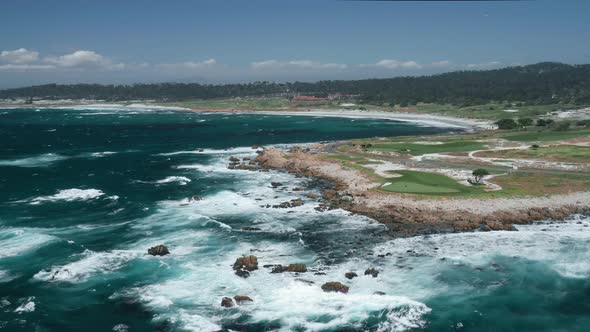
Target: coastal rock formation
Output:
{"points": [[244, 265], [334, 286], [301, 268], [406, 216], [250, 228], [241, 299], [159, 250], [350, 275], [290, 204], [372, 272], [227, 302]]}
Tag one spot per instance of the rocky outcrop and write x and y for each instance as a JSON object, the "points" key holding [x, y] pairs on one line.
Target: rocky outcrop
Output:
{"points": [[300, 268], [334, 286], [227, 302], [160, 250], [290, 204], [350, 275], [244, 265], [371, 272], [404, 215], [242, 299]]}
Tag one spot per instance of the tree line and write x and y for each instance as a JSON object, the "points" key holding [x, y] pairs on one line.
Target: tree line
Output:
{"points": [[538, 84]]}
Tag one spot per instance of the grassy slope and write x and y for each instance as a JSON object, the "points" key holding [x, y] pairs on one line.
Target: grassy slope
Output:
{"points": [[547, 135], [561, 153]]}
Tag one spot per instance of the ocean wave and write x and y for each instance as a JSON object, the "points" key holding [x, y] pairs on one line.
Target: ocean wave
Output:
{"points": [[237, 150], [90, 264], [18, 241], [122, 107], [27, 306], [70, 195], [182, 180], [43, 160], [545, 242]]}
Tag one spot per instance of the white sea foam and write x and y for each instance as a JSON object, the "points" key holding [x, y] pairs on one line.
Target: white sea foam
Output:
{"points": [[36, 161], [27, 306], [541, 242], [120, 328], [182, 180], [88, 265], [5, 276], [18, 241], [102, 154], [122, 107], [237, 150], [70, 195]]}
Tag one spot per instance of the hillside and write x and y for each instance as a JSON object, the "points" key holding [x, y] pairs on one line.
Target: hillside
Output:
{"points": [[542, 83]]}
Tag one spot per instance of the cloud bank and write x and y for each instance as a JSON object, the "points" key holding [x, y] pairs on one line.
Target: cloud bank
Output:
{"points": [[24, 66]]}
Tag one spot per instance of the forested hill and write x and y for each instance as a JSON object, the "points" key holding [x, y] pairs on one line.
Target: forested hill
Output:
{"points": [[542, 83]]}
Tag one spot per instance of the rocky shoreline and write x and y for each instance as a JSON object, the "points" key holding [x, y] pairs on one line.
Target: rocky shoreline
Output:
{"points": [[406, 216]]}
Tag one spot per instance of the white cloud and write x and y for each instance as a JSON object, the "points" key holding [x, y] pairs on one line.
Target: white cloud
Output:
{"points": [[189, 65], [83, 58], [24, 67], [295, 64], [394, 64], [19, 56]]}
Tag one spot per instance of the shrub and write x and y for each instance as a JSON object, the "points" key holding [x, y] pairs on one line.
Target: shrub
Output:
{"points": [[478, 174], [506, 124], [525, 122]]}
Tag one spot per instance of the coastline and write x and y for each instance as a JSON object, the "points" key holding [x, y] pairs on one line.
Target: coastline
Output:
{"points": [[408, 216], [424, 119]]}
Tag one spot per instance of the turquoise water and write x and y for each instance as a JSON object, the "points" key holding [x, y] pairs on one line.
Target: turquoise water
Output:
{"points": [[85, 192]]}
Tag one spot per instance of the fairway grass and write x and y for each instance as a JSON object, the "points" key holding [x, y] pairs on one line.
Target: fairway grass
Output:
{"points": [[415, 182]]}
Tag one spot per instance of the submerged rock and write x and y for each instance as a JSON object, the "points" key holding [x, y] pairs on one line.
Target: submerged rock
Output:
{"points": [[290, 268], [240, 299], [379, 293], [372, 272], [334, 286], [276, 184], [250, 228], [350, 275], [227, 302], [159, 250]]}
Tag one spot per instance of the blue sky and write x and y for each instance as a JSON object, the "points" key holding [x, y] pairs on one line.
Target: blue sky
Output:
{"points": [[235, 41]]}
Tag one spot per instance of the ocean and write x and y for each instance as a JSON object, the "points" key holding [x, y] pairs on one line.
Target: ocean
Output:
{"points": [[85, 192]]}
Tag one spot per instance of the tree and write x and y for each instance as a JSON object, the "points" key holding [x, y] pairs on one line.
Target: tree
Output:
{"points": [[525, 122], [478, 174], [506, 124], [544, 122]]}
